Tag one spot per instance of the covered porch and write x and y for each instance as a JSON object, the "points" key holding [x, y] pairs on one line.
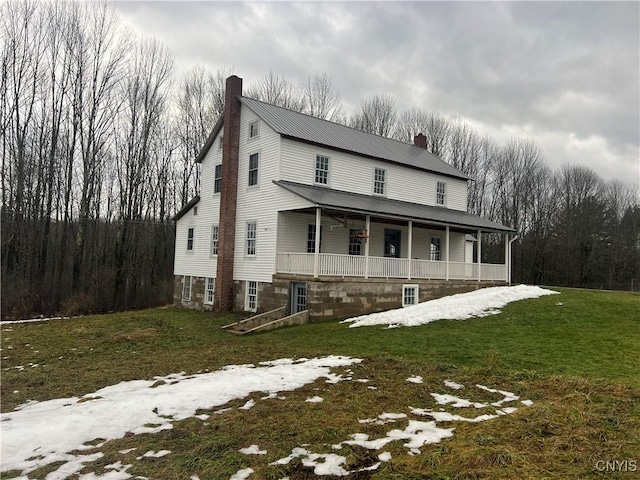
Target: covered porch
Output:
{"points": [[351, 235]]}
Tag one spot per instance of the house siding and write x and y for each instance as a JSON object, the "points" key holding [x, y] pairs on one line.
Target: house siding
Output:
{"points": [[259, 203], [402, 183], [293, 228]]}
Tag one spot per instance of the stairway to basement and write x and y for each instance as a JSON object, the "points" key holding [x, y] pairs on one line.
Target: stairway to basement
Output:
{"points": [[275, 318]]}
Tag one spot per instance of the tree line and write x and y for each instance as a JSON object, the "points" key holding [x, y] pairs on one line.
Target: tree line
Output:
{"points": [[99, 134]]}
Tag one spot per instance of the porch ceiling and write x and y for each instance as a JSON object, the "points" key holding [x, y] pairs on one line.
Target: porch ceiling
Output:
{"points": [[390, 211]]}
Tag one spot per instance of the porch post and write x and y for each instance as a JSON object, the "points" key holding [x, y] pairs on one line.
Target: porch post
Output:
{"points": [[479, 255], [316, 248], [366, 246], [409, 248], [446, 242], [506, 257]]}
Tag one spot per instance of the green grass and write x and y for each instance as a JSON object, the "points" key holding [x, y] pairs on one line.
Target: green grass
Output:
{"points": [[578, 361]]}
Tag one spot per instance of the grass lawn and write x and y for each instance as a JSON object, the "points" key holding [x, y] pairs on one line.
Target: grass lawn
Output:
{"points": [[575, 355]]}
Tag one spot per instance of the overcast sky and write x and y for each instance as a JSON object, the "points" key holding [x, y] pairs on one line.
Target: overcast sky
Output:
{"points": [[565, 74]]}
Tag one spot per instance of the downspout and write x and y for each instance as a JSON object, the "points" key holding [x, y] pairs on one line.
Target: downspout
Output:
{"points": [[509, 264]]}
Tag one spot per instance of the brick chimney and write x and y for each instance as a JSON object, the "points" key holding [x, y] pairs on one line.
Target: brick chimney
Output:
{"points": [[228, 193], [420, 140]]}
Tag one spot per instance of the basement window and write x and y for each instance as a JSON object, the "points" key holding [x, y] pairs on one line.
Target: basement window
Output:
{"points": [[186, 288], [209, 291], [251, 300], [409, 295]]}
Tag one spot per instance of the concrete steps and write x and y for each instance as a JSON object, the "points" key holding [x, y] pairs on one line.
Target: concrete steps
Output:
{"points": [[267, 321]]}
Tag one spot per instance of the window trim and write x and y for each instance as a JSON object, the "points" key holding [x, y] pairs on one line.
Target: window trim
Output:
{"points": [[438, 251], [311, 238], [254, 239], [216, 238], [248, 295], [220, 142], [184, 287], [354, 242], [316, 170], [257, 129], [216, 179], [383, 182], [208, 290], [416, 294], [257, 170], [443, 193], [191, 239]]}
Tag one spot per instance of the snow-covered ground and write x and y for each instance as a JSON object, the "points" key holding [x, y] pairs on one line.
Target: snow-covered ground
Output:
{"points": [[40, 433], [462, 306]]}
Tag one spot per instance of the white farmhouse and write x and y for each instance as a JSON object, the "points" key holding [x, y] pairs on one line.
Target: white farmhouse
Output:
{"points": [[303, 213]]}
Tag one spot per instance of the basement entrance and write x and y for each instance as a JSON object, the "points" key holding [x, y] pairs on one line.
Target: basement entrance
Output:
{"points": [[298, 297]]}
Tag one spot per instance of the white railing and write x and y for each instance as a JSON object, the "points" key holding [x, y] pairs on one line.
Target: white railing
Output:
{"points": [[331, 264]]}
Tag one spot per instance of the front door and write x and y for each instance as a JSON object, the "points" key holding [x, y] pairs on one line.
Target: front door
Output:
{"points": [[298, 297], [392, 243]]}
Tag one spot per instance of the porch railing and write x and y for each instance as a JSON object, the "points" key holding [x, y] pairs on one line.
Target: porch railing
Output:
{"points": [[331, 264]]}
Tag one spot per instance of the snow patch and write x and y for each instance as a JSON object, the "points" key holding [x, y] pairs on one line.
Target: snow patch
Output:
{"points": [[462, 306]]}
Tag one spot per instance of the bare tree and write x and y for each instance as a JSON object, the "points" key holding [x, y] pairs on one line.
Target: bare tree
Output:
{"points": [[434, 126], [277, 90], [321, 99], [377, 115], [199, 103]]}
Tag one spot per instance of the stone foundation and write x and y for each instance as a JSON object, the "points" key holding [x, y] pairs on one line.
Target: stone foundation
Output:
{"points": [[330, 297]]}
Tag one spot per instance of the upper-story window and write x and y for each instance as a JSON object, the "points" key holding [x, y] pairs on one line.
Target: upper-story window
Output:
{"points": [[217, 179], [220, 142], [190, 238], [252, 233], [379, 181], [441, 193], [253, 169], [254, 130], [322, 170]]}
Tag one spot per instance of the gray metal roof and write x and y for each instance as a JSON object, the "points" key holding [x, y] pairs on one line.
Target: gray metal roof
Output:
{"points": [[367, 204], [340, 137]]}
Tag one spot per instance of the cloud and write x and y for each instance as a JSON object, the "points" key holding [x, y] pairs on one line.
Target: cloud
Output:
{"points": [[561, 72]]}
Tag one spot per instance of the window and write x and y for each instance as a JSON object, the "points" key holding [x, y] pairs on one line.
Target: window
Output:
{"points": [[379, 178], [251, 302], [322, 170], [435, 248], [311, 239], [253, 129], [355, 242], [217, 179], [253, 169], [441, 189], [409, 295], [215, 231], [190, 239], [252, 232], [195, 211], [220, 142], [210, 289], [186, 289]]}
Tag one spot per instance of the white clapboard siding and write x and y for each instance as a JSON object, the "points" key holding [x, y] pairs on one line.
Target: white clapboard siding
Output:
{"points": [[259, 203], [352, 173], [200, 262]]}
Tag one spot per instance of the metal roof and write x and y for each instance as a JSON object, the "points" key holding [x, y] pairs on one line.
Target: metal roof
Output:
{"points": [[300, 126], [373, 205]]}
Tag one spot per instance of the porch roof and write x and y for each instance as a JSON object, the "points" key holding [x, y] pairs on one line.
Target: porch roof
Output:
{"points": [[397, 209]]}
